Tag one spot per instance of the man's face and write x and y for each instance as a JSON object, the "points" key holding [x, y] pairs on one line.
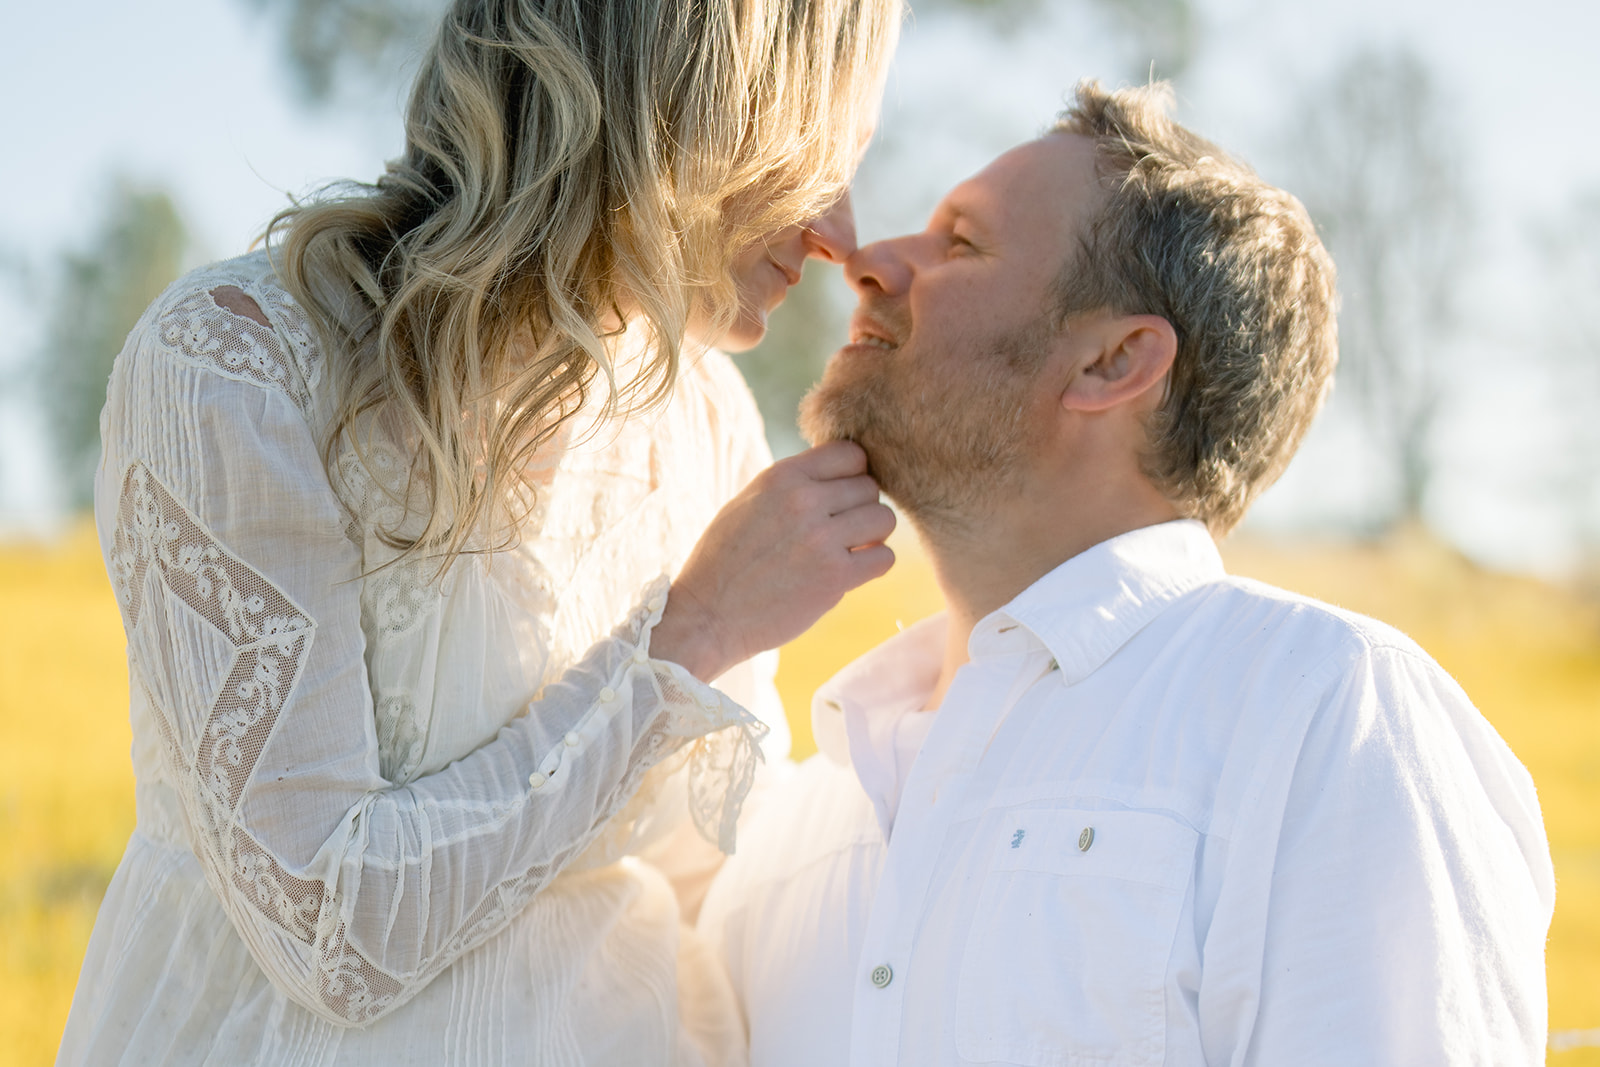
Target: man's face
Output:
{"points": [[940, 380]]}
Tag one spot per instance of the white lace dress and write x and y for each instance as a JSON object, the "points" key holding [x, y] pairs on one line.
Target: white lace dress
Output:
{"points": [[377, 823]]}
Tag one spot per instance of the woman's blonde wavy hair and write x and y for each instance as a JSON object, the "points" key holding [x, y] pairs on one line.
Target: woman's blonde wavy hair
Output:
{"points": [[571, 167]]}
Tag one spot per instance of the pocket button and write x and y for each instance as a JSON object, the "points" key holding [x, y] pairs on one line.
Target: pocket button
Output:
{"points": [[882, 975]]}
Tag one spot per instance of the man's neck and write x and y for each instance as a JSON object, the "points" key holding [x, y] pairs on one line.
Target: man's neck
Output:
{"points": [[983, 561]]}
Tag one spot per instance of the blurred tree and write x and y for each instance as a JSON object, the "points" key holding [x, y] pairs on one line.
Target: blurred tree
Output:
{"points": [[99, 293], [1377, 161], [1569, 249], [325, 40], [18, 289], [1162, 34]]}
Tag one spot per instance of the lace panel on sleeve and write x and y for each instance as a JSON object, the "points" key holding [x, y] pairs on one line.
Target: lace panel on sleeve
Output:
{"points": [[282, 357], [160, 550], [271, 637]]}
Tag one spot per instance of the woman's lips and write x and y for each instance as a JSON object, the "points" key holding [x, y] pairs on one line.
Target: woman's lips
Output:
{"points": [[791, 276]]}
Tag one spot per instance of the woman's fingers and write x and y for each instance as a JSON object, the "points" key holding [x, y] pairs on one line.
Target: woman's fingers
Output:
{"points": [[805, 532], [867, 524], [843, 494], [834, 459], [871, 562]]}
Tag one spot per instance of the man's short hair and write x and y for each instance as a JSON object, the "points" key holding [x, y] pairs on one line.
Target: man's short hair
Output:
{"points": [[1236, 266]]}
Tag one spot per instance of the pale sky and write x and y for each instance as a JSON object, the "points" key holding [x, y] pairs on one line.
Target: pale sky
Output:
{"points": [[191, 93]]}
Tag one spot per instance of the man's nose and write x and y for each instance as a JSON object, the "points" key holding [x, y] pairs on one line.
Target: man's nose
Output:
{"points": [[881, 267], [832, 234]]}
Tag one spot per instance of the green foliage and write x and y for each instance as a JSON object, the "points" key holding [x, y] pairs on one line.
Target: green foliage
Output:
{"points": [[100, 292]]}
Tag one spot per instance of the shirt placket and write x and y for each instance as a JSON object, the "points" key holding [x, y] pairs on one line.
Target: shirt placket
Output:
{"points": [[976, 703]]}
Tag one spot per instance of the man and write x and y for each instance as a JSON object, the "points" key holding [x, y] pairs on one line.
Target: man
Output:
{"points": [[1117, 807]]}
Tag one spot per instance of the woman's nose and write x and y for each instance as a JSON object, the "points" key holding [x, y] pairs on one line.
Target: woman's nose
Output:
{"points": [[832, 234]]}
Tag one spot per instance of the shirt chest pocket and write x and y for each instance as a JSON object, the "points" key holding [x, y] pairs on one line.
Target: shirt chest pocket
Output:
{"points": [[1067, 956]]}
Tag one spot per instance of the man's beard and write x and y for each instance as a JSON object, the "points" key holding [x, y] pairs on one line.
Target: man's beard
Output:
{"points": [[943, 449]]}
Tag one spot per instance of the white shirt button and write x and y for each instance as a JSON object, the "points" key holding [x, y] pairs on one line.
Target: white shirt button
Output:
{"points": [[608, 694], [537, 779], [657, 603], [572, 740], [882, 975], [640, 656], [1086, 839]]}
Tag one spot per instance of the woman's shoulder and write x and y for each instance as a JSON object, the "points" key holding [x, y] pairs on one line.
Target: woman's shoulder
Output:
{"points": [[235, 319]]}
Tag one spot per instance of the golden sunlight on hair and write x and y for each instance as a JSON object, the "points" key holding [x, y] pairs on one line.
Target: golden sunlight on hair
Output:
{"points": [[571, 172]]}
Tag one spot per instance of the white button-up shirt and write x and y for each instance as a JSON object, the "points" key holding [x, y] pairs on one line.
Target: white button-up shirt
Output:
{"points": [[1163, 816]]}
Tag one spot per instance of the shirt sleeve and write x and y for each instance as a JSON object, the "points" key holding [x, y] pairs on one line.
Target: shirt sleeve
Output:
{"points": [[1411, 890], [239, 589]]}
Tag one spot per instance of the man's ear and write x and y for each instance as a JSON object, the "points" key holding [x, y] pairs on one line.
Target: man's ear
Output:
{"points": [[1128, 355]]}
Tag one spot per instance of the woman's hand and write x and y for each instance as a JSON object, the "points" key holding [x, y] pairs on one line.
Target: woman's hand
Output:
{"points": [[804, 532]]}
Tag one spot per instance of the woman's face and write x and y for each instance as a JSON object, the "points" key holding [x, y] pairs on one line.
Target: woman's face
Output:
{"points": [[763, 273]]}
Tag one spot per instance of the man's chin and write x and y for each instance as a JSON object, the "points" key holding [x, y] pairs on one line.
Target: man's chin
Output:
{"points": [[838, 411], [818, 417]]}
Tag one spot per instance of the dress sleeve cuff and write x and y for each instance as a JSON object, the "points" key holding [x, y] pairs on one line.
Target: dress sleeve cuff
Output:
{"points": [[724, 739]]}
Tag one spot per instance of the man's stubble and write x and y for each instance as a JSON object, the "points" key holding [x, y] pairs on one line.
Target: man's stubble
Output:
{"points": [[942, 446]]}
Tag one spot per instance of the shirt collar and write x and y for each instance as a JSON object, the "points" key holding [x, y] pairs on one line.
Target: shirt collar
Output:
{"points": [[1082, 612], [1087, 608], [895, 677]]}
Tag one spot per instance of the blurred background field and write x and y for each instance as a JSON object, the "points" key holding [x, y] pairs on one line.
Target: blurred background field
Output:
{"points": [[1527, 651]]}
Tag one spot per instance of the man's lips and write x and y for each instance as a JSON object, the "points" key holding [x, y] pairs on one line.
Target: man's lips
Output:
{"points": [[867, 331]]}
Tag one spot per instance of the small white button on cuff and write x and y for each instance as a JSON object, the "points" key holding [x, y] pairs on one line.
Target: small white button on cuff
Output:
{"points": [[882, 975], [537, 779], [608, 694], [640, 656], [572, 740], [657, 603]]}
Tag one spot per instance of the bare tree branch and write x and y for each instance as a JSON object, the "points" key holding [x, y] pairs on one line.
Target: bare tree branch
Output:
{"points": [[1379, 166], [1569, 249]]}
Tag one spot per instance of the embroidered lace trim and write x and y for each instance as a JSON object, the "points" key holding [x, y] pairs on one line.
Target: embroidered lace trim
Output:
{"points": [[272, 637], [282, 357]]}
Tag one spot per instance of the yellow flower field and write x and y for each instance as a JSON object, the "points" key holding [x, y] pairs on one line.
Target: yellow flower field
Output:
{"points": [[1528, 653]]}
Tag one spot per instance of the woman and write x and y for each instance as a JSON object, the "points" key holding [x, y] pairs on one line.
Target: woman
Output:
{"points": [[363, 498]]}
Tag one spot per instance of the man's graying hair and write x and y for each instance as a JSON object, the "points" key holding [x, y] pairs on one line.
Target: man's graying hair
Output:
{"points": [[1236, 266]]}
